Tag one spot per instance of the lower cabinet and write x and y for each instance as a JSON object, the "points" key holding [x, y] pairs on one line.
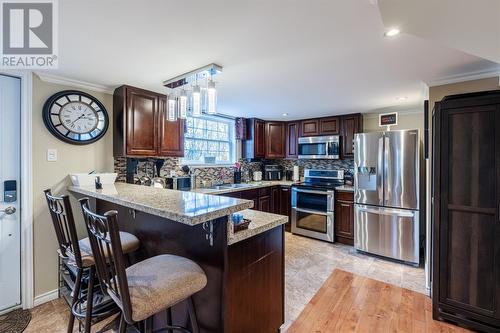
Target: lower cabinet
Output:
{"points": [[344, 217], [275, 199]]}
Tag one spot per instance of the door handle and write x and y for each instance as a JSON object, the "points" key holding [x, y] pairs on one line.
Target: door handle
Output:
{"points": [[9, 210]]}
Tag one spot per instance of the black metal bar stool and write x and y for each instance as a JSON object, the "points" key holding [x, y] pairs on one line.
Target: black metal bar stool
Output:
{"points": [[148, 287], [77, 258]]}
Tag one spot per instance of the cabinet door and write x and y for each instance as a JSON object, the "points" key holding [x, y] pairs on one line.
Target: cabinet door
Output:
{"points": [[265, 204], [276, 202], [351, 124], [292, 135], [171, 136], [344, 221], [275, 139], [260, 139], [469, 227], [286, 205], [142, 116], [309, 127], [329, 126]]}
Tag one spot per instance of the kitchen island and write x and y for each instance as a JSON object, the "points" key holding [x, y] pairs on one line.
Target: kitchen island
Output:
{"points": [[245, 269]]}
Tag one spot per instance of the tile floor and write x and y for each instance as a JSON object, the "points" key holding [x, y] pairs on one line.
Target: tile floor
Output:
{"points": [[309, 263]]}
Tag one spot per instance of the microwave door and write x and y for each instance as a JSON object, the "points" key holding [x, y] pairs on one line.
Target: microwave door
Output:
{"points": [[312, 150]]}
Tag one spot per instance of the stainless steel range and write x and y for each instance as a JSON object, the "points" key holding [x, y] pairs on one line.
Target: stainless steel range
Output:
{"points": [[313, 203]]}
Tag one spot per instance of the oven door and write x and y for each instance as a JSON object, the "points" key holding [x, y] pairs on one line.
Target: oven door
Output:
{"points": [[320, 201], [313, 224]]}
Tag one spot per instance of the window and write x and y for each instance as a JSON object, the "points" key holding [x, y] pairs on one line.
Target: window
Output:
{"points": [[209, 140]]}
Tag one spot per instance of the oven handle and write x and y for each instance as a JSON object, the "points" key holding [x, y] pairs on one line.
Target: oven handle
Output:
{"points": [[311, 211], [313, 192]]}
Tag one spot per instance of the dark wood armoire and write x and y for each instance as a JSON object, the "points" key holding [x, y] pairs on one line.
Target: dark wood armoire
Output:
{"points": [[466, 210]]}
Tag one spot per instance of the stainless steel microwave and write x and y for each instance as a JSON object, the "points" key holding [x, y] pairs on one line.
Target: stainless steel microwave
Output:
{"points": [[319, 147]]}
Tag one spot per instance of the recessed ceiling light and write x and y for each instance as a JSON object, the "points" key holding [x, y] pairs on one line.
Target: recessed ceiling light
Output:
{"points": [[285, 114], [392, 32], [402, 98]]}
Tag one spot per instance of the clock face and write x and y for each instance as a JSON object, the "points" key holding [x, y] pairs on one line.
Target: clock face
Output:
{"points": [[75, 117]]}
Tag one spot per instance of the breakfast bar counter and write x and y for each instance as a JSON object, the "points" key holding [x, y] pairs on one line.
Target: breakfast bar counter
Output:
{"points": [[245, 269]]}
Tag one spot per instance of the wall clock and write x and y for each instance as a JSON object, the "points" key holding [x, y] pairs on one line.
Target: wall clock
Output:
{"points": [[75, 117]]}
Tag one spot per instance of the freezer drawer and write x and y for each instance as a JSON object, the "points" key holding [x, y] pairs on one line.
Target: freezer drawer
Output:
{"points": [[387, 232]]}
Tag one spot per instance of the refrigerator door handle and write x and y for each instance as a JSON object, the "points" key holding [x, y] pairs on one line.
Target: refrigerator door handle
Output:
{"points": [[380, 171], [387, 211]]}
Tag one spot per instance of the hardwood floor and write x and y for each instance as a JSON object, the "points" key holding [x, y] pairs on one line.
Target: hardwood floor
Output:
{"points": [[352, 303]]}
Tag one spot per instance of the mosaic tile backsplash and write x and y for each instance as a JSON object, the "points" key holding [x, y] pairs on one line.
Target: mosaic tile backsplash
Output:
{"points": [[208, 176]]}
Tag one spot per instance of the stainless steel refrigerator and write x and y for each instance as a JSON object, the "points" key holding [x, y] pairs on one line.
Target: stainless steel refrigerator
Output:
{"points": [[386, 194]]}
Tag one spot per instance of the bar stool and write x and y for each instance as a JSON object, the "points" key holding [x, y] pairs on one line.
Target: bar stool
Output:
{"points": [[145, 288], [78, 254]]}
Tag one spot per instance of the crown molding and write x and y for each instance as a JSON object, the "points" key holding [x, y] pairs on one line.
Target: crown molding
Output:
{"points": [[465, 77], [74, 83]]}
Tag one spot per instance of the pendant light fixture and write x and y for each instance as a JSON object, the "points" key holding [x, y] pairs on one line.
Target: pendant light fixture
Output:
{"points": [[171, 108], [183, 104], [202, 100], [196, 100], [212, 97]]}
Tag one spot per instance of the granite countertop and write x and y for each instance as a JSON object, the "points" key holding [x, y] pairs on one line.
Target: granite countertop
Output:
{"points": [[261, 184], [190, 208], [260, 222], [345, 188]]}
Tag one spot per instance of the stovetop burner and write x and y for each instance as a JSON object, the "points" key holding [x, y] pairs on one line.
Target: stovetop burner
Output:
{"points": [[322, 179]]}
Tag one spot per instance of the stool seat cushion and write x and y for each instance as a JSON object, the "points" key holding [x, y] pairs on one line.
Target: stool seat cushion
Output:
{"points": [[130, 243], [160, 282]]}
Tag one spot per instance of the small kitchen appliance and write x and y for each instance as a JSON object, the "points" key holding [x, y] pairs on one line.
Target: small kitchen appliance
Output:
{"points": [[182, 183], [273, 172]]}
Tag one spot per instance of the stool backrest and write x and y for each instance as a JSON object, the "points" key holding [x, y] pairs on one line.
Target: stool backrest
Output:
{"points": [[106, 246], [64, 226]]}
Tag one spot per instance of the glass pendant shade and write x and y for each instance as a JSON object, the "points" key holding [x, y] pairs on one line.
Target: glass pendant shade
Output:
{"points": [[196, 101], [183, 105], [171, 108], [212, 98]]}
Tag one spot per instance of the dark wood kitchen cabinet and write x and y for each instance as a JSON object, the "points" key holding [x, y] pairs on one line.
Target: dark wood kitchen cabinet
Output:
{"points": [[292, 137], [275, 200], [309, 127], [255, 144], [275, 137], [140, 127], [329, 126], [466, 211], [171, 133], [286, 205], [344, 217], [350, 125]]}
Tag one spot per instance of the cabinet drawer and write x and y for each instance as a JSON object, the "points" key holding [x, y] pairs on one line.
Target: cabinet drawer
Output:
{"points": [[345, 196], [264, 191], [250, 194]]}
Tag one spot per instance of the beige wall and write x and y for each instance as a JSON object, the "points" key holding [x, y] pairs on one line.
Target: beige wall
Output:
{"points": [[97, 156], [411, 119]]}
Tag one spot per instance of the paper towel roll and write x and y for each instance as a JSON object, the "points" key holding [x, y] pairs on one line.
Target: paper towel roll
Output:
{"points": [[296, 175]]}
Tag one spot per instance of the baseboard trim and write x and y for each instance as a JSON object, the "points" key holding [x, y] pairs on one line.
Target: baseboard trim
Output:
{"points": [[46, 297]]}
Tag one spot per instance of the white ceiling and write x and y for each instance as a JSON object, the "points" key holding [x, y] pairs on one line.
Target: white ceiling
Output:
{"points": [[305, 58]]}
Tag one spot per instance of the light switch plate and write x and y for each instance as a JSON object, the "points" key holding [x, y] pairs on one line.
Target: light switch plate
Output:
{"points": [[51, 155]]}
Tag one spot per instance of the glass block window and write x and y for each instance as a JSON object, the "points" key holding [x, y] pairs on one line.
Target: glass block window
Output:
{"points": [[209, 140]]}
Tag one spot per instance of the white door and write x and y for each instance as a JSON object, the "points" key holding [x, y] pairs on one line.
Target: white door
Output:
{"points": [[10, 164]]}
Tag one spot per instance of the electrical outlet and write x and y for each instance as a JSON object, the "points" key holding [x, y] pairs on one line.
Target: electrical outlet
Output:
{"points": [[51, 155]]}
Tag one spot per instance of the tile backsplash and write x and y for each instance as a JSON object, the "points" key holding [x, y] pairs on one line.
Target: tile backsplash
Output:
{"points": [[207, 176]]}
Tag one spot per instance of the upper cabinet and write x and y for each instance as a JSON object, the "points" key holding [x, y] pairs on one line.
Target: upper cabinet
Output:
{"points": [[320, 126], [275, 139], [292, 136], [140, 125], [329, 126], [255, 144], [351, 124], [309, 127]]}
